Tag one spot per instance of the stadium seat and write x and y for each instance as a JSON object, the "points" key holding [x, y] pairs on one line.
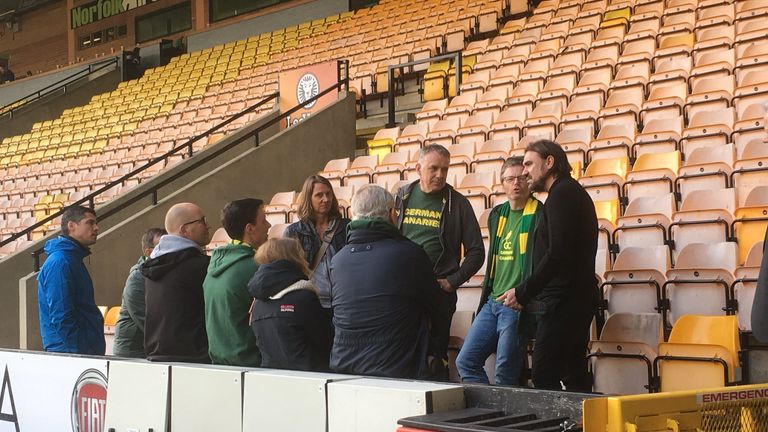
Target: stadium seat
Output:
{"points": [[412, 137], [622, 359], [652, 174], [490, 156], [714, 344], [706, 168], [477, 187], [390, 168], [635, 282], [360, 171], [749, 227], [279, 206], [475, 129], [701, 280], [383, 142], [645, 221], [705, 216], [603, 178]]}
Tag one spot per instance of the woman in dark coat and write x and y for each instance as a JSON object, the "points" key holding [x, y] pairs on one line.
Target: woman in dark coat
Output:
{"points": [[320, 221], [287, 311]]}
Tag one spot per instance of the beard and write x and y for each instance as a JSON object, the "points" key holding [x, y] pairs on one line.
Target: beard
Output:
{"points": [[537, 184]]}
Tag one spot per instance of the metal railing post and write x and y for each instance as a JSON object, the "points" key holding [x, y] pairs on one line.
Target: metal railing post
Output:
{"points": [[390, 98]]}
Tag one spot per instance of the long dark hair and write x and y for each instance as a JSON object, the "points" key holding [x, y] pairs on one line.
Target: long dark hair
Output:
{"points": [[305, 212], [546, 148]]}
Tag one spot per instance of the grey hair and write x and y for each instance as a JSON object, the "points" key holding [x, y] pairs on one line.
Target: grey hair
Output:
{"points": [[511, 162], [433, 148], [372, 202]]}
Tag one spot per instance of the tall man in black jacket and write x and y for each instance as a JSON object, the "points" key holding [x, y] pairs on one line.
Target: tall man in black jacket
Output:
{"points": [[441, 221], [174, 329], [562, 287]]}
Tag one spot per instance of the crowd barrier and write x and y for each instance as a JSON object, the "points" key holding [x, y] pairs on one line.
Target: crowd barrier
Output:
{"points": [[55, 392]]}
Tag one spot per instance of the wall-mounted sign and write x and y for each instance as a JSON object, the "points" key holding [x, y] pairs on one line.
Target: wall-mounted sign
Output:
{"points": [[100, 9], [300, 85]]}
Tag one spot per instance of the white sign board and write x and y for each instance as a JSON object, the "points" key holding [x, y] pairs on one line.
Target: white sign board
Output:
{"points": [[54, 393]]}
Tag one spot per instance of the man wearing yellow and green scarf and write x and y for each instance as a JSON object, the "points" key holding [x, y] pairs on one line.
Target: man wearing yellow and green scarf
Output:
{"points": [[498, 328]]}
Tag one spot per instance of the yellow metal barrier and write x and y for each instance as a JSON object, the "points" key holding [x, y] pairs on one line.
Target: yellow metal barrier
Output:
{"points": [[729, 409]]}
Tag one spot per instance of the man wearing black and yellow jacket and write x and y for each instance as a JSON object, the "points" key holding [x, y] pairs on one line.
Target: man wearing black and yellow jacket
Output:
{"points": [[498, 328], [441, 221]]}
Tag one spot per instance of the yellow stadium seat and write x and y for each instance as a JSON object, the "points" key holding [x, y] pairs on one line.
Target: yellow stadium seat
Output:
{"points": [[616, 17], [110, 317], [714, 341], [383, 142], [434, 80], [608, 210], [750, 224]]}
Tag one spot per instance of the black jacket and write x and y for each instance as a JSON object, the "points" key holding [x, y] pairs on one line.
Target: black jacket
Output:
{"points": [[384, 295], [305, 233], [564, 252], [289, 323], [759, 313], [458, 226], [174, 329]]}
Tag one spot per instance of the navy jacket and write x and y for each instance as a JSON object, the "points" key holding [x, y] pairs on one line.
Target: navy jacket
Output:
{"points": [[384, 295], [291, 327], [305, 233], [70, 321]]}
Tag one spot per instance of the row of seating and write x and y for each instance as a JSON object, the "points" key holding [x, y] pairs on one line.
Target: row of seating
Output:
{"points": [[144, 118], [631, 356]]}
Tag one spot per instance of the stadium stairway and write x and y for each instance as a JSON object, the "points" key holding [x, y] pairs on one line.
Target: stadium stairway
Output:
{"points": [[245, 170]]}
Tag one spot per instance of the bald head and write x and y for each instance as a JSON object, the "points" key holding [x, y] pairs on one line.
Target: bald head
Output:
{"points": [[187, 220]]}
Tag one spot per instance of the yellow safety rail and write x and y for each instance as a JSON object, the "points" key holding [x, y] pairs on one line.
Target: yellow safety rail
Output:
{"points": [[727, 409]]}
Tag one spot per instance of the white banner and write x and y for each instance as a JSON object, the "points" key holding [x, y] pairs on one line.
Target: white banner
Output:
{"points": [[52, 393]]}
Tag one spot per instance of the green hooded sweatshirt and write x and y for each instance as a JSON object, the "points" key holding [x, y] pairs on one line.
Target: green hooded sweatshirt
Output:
{"points": [[227, 305]]}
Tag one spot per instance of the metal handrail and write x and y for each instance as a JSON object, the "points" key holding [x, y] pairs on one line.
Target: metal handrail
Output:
{"points": [[90, 199], [456, 56], [56, 86]]}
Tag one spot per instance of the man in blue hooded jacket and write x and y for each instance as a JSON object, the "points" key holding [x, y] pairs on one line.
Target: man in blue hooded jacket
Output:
{"points": [[70, 321]]}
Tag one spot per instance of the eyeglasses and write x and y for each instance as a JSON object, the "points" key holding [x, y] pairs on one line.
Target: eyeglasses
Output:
{"points": [[203, 219], [513, 179]]}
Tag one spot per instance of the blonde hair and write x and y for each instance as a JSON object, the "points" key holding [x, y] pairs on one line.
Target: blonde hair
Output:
{"points": [[285, 248]]}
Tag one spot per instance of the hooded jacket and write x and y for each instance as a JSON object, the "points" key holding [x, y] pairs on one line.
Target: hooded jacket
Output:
{"points": [[384, 295], [227, 302], [458, 226], [129, 331], [304, 232], [288, 320], [175, 321], [70, 321]]}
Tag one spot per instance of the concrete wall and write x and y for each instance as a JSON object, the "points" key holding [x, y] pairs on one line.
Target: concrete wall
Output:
{"points": [[256, 172], [51, 106], [267, 23]]}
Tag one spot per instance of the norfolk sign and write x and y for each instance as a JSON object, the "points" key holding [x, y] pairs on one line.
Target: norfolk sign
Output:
{"points": [[98, 10]]}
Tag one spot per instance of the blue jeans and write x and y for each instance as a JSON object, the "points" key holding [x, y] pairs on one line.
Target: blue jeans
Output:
{"points": [[493, 330]]}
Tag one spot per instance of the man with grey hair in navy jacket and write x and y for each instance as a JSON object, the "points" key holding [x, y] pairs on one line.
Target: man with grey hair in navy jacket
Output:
{"points": [[385, 297]]}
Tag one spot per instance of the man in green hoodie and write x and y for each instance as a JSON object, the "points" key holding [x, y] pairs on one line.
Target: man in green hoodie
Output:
{"points": [[227, 301]]}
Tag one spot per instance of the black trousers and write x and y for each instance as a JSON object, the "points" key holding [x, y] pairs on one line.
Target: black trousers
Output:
{"points": [[440, 339], [560, 350]]}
